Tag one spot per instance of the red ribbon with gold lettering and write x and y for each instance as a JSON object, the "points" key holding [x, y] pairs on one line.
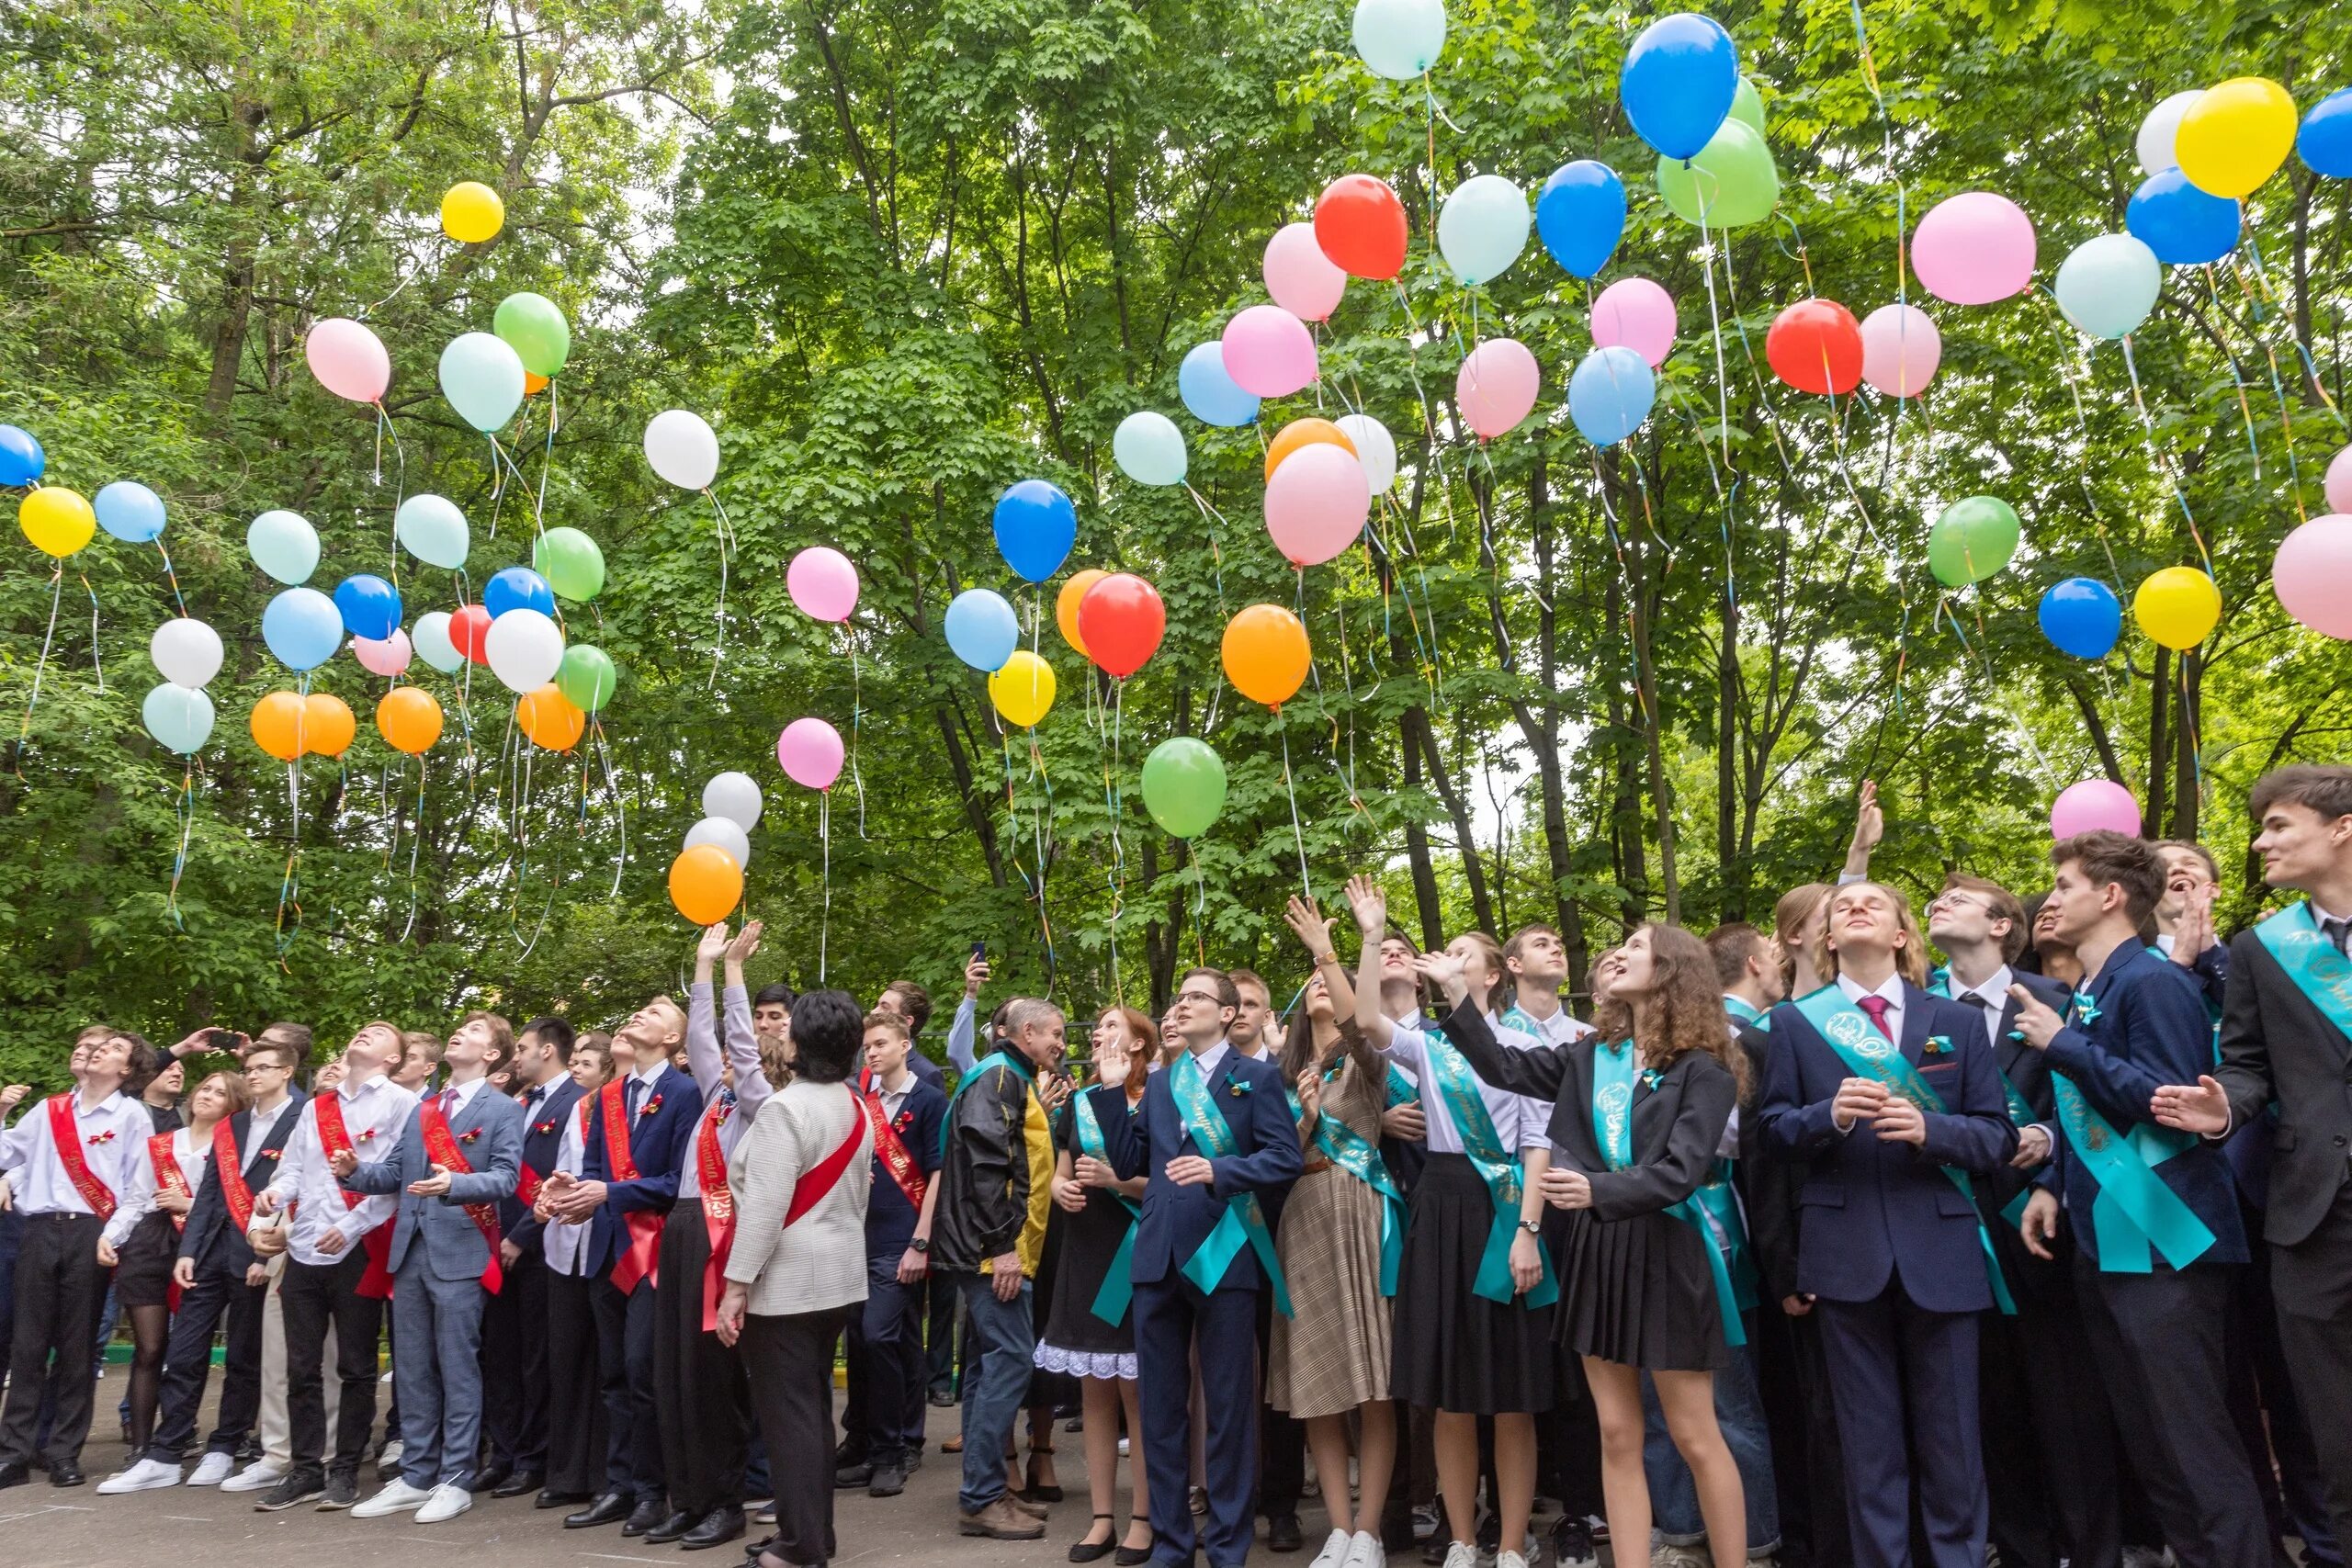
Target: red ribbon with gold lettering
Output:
{"points": [[641, 1260], [334, 1139], [169, 1178], [892, 1150], [441, 1148], [717, 1205], [229, 1170], [66, 1134]]}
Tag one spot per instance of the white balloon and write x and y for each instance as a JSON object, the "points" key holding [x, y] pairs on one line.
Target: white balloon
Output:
{"points": [[1375, 448], [430, 637], [682, 449], [185, 651], [727, 835], [736, 797], [524, 647], [2159, 130]]}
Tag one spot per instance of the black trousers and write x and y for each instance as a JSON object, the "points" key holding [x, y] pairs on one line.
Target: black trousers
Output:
{"points": [[886, 1362], [1282, 1438], [701, 1402], [188, 1365], [624, 1335], [515, 1366], [577, 1444], [941, 1304], [2052, 1463], [311, 1297], [1808, 1467], [54, 1348], [789, 1362]]}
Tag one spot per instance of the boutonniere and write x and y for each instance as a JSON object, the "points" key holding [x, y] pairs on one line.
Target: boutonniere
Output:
{"points": [[650, 1107], [272, 1153], [1241, 1087], [2085, 1009], [543, 1127], [1939, 1045], [366, 1136], [1651, 1077], [470, 1135], [105, 1137], [902, 1121]]}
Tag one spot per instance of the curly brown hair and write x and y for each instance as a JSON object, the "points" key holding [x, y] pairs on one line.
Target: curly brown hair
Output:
{"points": [[1680, 1012]]}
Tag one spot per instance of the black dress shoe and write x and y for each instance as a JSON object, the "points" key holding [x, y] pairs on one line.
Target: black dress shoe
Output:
{"points": [[64, 1472], [1132, 1556], [649, 1512], [551, 1498], [888, 1480], [673, 1528], [490, 1477], [851, 1476], [1283, 1533], [514, 1485], [609, 1509], [716, 1528], [15, 1474]]}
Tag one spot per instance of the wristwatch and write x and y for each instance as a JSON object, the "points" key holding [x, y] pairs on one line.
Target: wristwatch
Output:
{"points": [[920, 1244], [1533, 1227]]}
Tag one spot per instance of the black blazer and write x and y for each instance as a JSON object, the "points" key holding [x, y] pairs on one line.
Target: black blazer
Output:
{"points": [[2029, 1069], [1768, 1186], [212, 1239], [542, 1141], [2277, 1045]]}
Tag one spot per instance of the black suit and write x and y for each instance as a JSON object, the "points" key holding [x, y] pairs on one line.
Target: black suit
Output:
{"points": [[514, 1321]]}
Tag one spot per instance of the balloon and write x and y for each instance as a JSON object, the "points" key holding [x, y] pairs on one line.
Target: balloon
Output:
{"points": [[1972, 539], [1035, 527], [735, 797], [1300, 277], [1183, 786], [1496, 387], [431, 638], [1816, 346], [471, 213], [2178, 608], [1123, 620], [1399, 39], [2325, 139], [433, 531], [2313, 575], [1730, 184], [1266, 654], [2107, 285], [586, 677], [705, 884], [518, 588], [284, 546], [1638, 314], [302, 627], [1901, 349], [982, 630], [1611, 394], [21, 458], [384, 656], [720, 833], [2155, 145], [371, 607], [1149, 450], [2081, 616], [1269, 352], [1482, 228], [2093, 805], [1974, 248], [1067, 601], [328, 727], [1580, 216], [1023, 689], [1374, 448], [58, 521], [551, 721], [483, 380], [1748, 105], [2339, 481], [1301, 433], [276, 724], [469, 633], [185, 651], [570, 563], [348, 359], [2235, 136], [409, 718], [523, 648], [180, 717], [1209, 393], [532, 326], [533, 383], [1316, 506], [1361, 225], [2180, 223], [130, 512], [1678, 81], [810, 750], [681, 448], [823, 583]]}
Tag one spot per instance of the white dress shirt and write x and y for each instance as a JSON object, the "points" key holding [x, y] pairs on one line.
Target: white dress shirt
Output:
{"points": [[113, 1134], [1518, 1121], [1996, 992], [565, 1239], [1891, 990], [454, 1098], [373, 1113], [191, 1157], [1562, 1028]]}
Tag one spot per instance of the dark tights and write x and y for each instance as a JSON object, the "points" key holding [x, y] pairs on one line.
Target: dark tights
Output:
{"points": [[149, 1327]]}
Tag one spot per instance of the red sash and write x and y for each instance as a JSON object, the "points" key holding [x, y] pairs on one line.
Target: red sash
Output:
{"points": [[717, 1205], [823, 1177], [526, 1187], [642, 1259], [170, 1177], [441, 1147], [66, 1134], [892, 1150], [229, 1170], [334, 1139]]}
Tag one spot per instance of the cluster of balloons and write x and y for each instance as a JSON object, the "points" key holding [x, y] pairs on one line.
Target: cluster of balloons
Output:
{"points": [[292, 724], [485, 376], [706, 879], [186, 653]]}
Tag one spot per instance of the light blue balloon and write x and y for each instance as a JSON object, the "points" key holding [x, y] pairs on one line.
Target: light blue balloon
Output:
{"points": [[1149, 450], [432, 530], [982, 629], [1611, 394], [1210, 394], [302, 627], [180, 717], [130, 512], [482, 378], [2108, 284], [1399, 39], [283, 545], [430, 637], [1482, 228]]}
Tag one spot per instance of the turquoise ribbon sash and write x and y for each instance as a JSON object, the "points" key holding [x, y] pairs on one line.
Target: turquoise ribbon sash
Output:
{"points": [[1243, 1222], [2134, 1208], [1716, 1219], [1399, 1088], [1346, 1147], [1497, 1167], [1118, 1285], [2292, 937], [1741, 1010]]}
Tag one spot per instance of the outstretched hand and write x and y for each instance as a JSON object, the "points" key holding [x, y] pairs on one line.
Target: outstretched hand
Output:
{"points": [[1870, 826], [746, 942], [1310, 925], [2204, 1109], [1369, 901], [713, 943], [1447, 972]]}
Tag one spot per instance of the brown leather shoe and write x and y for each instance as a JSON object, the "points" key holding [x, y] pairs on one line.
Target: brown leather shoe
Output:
{"points": [[999, 1520], [1024, 1506]]}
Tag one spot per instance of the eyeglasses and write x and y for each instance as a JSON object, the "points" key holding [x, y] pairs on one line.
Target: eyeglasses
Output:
{"points": [[1198, 996], [252, 1067], [1956, 900]]}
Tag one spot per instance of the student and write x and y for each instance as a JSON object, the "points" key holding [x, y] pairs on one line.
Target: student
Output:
{"points": [[907, 1116], [420, 1058], [772, 1022], [1281, 1442], [911, 1003], [277, 1441], [576, 1421]]}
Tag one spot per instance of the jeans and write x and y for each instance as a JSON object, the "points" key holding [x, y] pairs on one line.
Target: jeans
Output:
{"points": [[1674, 1496], [995, 1386]]}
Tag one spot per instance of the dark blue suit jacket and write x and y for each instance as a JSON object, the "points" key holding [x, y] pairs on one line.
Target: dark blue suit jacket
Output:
{"points": [[1265, 1161], [542, 1141], [212, 1239], [889, 1218], [660, 1143], [1874, 1211]]}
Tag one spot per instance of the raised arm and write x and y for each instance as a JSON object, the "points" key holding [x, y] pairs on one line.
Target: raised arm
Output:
{"points": [[742, 1042], [1369, 903], [1537, 1074], [963, 1032], [702, 1028]]}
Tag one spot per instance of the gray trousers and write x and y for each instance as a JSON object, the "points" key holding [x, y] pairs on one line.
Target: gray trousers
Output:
{"points": [[437, 1373]]}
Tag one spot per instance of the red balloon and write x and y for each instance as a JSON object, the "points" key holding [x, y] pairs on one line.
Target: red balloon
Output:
{"points": [[469, 633], [1121, 620], [1360, 225], [1816, 346]]}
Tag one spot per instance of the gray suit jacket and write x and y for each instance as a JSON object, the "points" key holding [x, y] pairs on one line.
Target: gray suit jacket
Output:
{"points": [[453, 1244]]}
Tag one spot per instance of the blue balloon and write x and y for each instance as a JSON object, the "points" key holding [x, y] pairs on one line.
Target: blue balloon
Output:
{"points": [[369, 606], [178, 717], [518, 588], [302, 627], [130, 512], [1210, 392], [2185, 226], [21, 458], [2081, 616], [1680, 80], [1035, 527], [1611, 394], [2325, 139], [982, 629], [1580, 216]]}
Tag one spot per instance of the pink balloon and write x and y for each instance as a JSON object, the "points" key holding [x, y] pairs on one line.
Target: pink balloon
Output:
{"points": [[389, 656], [2094, 804], [348, 359], [1901, 349], [1497, 384], [2312, 574], [1269, 353], [1317, 503], [1973, 248], [1635, 313], [810, 750], [822, 582], [1300, 277], [2339, 481]]}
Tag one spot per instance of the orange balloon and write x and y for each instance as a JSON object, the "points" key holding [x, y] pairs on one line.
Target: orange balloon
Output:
{"points": [[1301, 433], [548, 716], [328, 728], [410, 718], [1065, 605], [706, 885], [276, 723], [1266, 654], [533, 383]]}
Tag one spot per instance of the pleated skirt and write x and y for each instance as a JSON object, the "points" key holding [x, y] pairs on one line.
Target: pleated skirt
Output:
{"points": [[1454, 1349], [1638, 1292]]}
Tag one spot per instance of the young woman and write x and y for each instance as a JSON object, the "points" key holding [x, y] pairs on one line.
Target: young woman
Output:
{"points": [[1798, 920]]}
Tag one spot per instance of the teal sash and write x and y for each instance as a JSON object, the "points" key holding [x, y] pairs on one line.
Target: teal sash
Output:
{"points": [[1346, 1147], [1498, 1168], [1243, 1222], [1741, 1010], [1399, 1088], [1871, 1054], [964, 1084], [2292, 937], [2134, 1207], [1118, 1285], [1715, 1220]]}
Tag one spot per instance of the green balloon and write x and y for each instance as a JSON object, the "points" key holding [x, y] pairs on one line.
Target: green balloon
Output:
{"points": [[1731, 183], [535, 330], [1183, 786], [586, 677], [570, 563], [1746, 107], [1972, 540]]}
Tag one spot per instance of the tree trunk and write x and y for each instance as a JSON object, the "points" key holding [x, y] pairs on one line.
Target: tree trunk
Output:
{"points": [[2184, 773], [1416, 843], [2159, 740], [1482, 908]]}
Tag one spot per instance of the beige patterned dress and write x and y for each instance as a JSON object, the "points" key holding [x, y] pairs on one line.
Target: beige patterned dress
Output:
{"points": [[1333, 1354]]}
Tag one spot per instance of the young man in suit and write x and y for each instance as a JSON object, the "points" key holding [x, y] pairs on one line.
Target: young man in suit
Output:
{"points": [[576, 1437], [1888, 1099]]}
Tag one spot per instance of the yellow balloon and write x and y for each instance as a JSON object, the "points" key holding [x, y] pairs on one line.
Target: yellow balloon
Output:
{"points": [[1023, 689], [57, 519], [2236, 136], [2178, 608], [472, 213]]}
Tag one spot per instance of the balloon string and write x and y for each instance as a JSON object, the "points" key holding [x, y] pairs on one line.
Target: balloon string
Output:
{"points": [[97, 662], [1200, 906], [289, 886], [1217, 566], [2007, 695], [171, 577], [2267, 293], [718, 647], [2245, 409], [825, 837], [184, 808], [56, 597], [415, 837], [2166, 470], [563, 855], [2278, 391], [1715, 323], [1118, 868], [1297, 833], [547, 462], [620, 807], [857, 721]]}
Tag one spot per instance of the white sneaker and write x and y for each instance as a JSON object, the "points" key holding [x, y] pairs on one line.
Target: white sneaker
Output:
{"points": [[147, 1475], [258, 1476], [1364, 1551], [397, 1497], [1509, 1560], [1461, 1554], [389, 1457], [1334, 1549], [449, 1500], [212, 1469]]}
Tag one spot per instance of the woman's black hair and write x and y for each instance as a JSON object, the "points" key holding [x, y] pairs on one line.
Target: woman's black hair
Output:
{"points": [[828, 1035]]}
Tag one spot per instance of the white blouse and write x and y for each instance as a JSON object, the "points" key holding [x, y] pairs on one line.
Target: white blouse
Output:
{"points": [[1519, 1120]]}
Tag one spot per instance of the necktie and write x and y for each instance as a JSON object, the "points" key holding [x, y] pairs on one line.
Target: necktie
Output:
{"points": [[2337, 932], [1975, 999], [1876, 1007], [635, 1092], [448, 1103]]}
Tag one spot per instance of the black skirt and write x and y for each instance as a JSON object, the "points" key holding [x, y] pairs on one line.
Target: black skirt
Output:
{"points": [[1455, 1350], [1091, 1240], [142, 1271], [1638, 1292]]}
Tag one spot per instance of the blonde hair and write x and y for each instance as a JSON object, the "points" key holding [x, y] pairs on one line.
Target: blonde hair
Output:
{"points": [[1789, 917], [1910, 959], [1490, 953]]}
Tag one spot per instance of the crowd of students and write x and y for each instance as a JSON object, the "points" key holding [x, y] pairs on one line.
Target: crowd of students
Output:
{"points": [[1803, 1246]]}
